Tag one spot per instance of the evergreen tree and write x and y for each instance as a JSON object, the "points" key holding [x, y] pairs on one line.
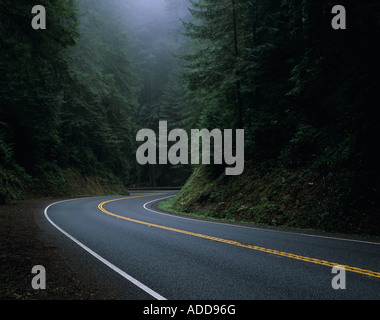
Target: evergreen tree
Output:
{"points": [[33, 69], [98, 120], [213, 60]]}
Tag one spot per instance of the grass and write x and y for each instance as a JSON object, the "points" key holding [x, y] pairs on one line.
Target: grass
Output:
{"points": [[300, 200], [168, 206]]}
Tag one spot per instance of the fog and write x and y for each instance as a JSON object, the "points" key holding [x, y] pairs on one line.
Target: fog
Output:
{"points": [[153, 27], [153, 16], [153, 31]]}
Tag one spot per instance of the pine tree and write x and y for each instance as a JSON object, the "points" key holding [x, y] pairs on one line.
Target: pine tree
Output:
{"points": [[213, 63]]}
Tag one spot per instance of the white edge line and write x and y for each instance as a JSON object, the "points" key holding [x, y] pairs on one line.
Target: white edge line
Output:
{"points": [[246, 227], [106, 262]]}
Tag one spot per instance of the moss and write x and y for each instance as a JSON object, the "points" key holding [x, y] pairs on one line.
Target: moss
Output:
{"points": [[303, 198]]}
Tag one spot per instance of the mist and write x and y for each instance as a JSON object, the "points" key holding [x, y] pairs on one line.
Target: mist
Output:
{"points": [[153, 27], [153, 32]]}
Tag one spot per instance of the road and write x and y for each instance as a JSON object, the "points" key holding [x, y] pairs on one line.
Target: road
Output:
{"points": [[154, 255]]}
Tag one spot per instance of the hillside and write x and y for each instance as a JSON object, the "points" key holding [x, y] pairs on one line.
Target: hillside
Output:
{"points": [[17, 185], [302, 198]]}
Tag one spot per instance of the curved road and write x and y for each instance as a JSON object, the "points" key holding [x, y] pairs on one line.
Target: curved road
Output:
{"points": [[154, 255]]}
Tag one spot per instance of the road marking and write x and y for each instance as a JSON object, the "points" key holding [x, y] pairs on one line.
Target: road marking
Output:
{"points": [[100, 258], [236, 243], [250, 227]]}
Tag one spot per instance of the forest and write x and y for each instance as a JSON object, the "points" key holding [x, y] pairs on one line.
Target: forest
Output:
{"points": [[74, 96]]}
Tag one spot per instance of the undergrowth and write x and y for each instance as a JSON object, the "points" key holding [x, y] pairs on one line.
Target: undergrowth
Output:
{"points": [[294, 198]]}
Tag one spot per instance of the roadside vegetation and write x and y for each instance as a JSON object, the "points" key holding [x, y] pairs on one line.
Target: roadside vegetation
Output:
{"points": [[73, 97], [299, 199]]}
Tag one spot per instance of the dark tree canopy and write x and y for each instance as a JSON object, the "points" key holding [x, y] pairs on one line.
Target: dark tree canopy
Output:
{"points": [[75, 95]]}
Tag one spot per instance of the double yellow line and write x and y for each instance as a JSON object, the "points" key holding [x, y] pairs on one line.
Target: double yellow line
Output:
{"points": [[235, 243]]}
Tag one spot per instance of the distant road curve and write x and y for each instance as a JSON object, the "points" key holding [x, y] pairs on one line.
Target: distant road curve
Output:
{"points": [[162, 256]]}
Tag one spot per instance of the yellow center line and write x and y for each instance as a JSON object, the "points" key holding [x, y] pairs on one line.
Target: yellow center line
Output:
{"points": [[234, 242]]}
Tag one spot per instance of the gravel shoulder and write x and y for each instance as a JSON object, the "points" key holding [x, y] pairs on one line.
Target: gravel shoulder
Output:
{"points": [[23, 244]]}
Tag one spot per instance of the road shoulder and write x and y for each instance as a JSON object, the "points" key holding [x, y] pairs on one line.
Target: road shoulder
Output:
{"points": [[23, 244]]}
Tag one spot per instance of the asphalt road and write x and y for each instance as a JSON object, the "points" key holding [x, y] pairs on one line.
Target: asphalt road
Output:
{"points": [[153, 255]]}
